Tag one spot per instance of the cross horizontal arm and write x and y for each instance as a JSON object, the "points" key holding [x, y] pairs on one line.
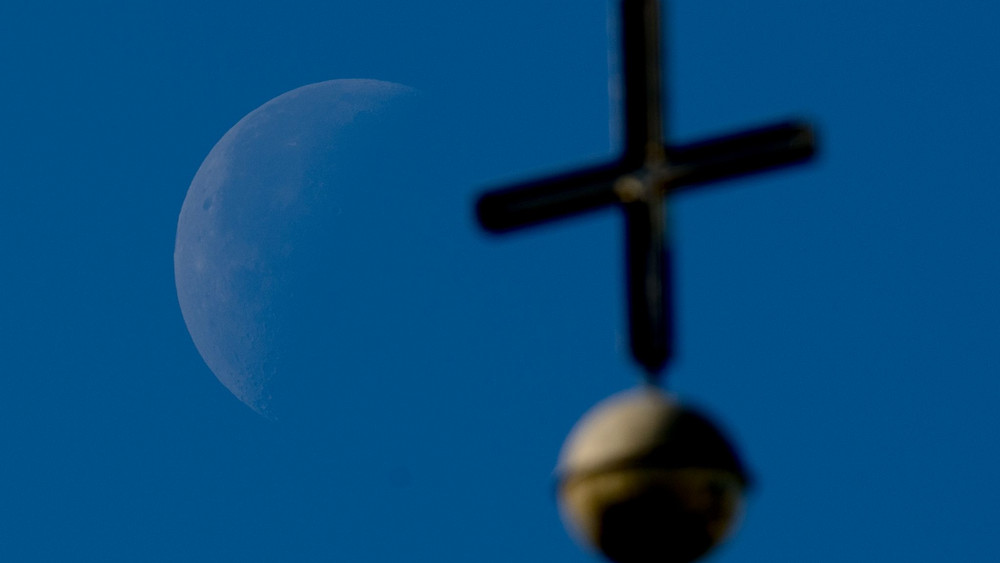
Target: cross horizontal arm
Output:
{"points": [[739, 154], [548, 198], [720, 158]]}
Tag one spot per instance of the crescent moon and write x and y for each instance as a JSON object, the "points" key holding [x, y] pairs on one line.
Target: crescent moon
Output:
{"points": [[256, 227]]}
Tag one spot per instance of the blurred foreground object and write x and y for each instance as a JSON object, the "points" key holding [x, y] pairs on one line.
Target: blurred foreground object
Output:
{"points": [[639, 181], [642, 478], [646, 480]]}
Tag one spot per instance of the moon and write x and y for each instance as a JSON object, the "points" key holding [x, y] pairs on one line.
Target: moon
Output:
{"points": [[280, 256]]}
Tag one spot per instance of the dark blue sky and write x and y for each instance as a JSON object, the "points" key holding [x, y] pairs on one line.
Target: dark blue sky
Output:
{"points": [[842, 319]]}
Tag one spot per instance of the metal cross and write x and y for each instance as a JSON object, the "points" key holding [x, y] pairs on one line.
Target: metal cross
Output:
{"points": [[640, 178]]}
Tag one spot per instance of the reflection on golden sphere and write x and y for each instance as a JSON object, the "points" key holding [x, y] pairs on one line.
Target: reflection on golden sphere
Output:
{"points": [[645, 480]]}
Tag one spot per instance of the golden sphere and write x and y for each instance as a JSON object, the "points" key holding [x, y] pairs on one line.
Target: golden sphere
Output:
{"points": [[645, 480]]}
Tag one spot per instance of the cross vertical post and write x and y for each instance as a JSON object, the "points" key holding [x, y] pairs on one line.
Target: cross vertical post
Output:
{"points": [[640, 46], [647, 274], [639, 180]]}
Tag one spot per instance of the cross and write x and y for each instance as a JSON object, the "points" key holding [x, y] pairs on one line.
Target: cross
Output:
{"points": [[639, 179]]}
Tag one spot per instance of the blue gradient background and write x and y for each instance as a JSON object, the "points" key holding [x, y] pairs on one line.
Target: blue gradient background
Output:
{"points": [[842, 320]]}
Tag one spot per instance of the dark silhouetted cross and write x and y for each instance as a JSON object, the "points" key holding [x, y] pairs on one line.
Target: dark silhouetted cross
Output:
{"points": [[639, 180]]}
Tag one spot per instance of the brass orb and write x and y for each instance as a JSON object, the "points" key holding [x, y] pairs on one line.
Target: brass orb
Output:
{"points": [[646, 480]]}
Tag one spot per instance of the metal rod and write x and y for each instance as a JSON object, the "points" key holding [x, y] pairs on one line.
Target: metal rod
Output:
{"points": [[721, 158], [548, 198], [640, 29], [747, 152], [648, 281]]}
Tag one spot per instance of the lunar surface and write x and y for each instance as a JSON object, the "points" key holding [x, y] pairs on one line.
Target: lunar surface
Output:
{"points": [[289, 240]]}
